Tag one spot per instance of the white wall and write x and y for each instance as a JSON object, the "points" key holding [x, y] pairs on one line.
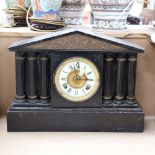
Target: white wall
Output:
{"points": [[151, 4], [137, 8], [2, 6]]}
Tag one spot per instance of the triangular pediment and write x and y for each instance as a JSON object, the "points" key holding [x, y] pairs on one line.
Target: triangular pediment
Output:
{"points": [[76, 40]]}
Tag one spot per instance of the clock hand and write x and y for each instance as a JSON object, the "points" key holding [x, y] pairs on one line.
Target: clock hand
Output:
{"points": [[81, 71], [86, 79], [75, 71]]}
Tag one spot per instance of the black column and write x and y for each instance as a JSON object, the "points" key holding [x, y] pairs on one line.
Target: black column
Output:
{"points": [[44, 78], [32, 77], [20, 78], [132, 62], [120, 78], [108, 78]]}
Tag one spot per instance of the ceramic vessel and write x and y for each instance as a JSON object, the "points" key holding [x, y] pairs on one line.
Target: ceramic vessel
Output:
{"points": [[110, 14], [8, 20], [72, 10], [46, 9], [23, 3]]}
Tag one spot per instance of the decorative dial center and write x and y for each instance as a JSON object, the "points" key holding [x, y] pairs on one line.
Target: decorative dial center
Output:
{"points": [[75, 80]]}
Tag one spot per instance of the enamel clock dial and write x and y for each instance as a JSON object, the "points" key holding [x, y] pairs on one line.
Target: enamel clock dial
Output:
{"points": [[77, 79]]}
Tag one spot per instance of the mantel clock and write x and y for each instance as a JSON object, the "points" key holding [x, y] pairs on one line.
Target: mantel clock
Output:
{"points": [[75, 80]]}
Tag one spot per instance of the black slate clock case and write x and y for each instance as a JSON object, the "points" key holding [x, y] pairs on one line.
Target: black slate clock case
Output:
{"points": [[37, 105], [57, 100]]}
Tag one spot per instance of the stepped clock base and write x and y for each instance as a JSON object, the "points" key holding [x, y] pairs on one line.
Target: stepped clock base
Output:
{"points": [[39, 117]]}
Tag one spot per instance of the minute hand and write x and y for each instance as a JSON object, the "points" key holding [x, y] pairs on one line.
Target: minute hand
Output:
{"points": [[87, 79]]}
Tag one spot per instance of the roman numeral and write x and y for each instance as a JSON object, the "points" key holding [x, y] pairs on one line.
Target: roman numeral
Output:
{"points": [[85, 67], [76, 92], [88, 87], [71, 67], [78, 65], [63, 79], [65, 72], [89, 73], [65, 85], [83, 91], [69, 90]]}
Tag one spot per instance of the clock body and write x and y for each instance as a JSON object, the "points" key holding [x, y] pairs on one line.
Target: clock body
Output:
{"points": [[76, 80]]}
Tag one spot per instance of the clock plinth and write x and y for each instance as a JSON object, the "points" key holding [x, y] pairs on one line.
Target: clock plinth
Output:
{"points": [[108, 118], [75, 80]]}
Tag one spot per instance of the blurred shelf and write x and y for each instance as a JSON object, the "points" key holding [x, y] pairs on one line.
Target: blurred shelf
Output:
{"points": [[133, 31]]}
